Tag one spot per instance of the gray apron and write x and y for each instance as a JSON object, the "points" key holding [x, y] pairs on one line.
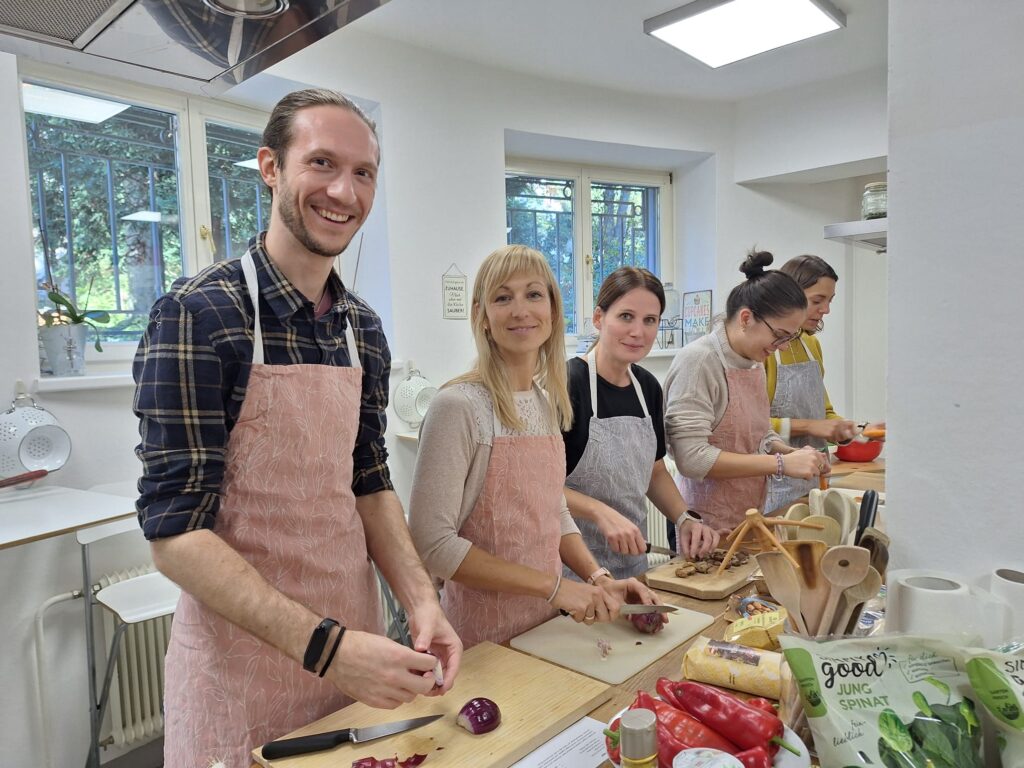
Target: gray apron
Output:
{"points": [[615, 469], [799, 394]]}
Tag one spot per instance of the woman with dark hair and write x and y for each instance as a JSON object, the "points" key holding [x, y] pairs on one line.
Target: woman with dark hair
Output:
{"points": [[802, 413], [716, 406], [614, 450], [487, 511]]}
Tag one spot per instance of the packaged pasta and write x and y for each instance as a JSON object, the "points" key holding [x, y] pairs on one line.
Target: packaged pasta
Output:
{"points": [[730, 665]]}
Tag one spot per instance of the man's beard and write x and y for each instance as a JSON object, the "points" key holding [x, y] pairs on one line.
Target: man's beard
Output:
{"points": [[292, 219]]}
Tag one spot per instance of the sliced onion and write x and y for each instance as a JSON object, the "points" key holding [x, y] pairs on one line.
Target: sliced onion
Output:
{"points": [[479, 716], [412, 761]]}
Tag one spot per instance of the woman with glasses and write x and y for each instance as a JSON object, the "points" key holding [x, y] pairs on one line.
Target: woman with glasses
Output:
{"points": [[614, 450], [802, 413], [717, 419]]}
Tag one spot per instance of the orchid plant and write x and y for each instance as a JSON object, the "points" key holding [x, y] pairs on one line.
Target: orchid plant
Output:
{"points": [[66, 312]]}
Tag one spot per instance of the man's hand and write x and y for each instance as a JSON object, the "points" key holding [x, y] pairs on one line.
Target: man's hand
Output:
{"points": [[380, 672], [432, 632], [623, 536]]}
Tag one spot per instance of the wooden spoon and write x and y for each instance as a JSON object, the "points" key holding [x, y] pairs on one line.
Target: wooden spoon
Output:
{"points": [[843, 566], [813, 585], [795, 512], [830, 533], [877, 543], [853, 597], [841, 509], [782, 581]]}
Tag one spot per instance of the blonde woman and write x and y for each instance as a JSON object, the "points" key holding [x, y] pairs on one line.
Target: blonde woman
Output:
{"points": [[487, 512]]}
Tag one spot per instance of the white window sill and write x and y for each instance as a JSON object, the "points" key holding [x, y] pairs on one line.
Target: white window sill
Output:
{"points": [[89, 381]]}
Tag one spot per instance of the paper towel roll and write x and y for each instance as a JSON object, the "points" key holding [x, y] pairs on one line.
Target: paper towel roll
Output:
{"points": [[937, 603], [1008, 583]]}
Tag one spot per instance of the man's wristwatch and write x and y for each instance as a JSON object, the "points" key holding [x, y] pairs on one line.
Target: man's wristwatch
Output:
{"points": [[317, 642], [592, 578]]}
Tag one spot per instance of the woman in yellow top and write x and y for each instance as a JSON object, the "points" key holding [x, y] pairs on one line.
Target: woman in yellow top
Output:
{"points": [[802, 413]]}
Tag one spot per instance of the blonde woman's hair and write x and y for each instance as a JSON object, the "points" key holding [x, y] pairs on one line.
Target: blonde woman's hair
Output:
{"points": [[490, 369]]}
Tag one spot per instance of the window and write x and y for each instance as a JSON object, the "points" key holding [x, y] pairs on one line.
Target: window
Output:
{"points": [[131, 190], [627, 226]]}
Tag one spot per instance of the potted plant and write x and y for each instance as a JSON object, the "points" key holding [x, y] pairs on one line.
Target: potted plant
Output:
{"points": [[63, 328]]}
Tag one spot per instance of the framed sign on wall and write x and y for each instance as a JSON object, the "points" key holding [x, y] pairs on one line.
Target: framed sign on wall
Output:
{"points": [[696, 315]]}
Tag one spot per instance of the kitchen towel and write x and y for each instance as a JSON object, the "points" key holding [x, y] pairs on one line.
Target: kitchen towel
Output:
{"points": [[933, 603], [1008, 583]]}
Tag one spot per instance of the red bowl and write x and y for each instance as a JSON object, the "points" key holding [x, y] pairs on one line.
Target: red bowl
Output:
{"points": [[859, 451]]}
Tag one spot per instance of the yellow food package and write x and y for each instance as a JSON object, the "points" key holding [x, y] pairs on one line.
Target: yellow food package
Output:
{"points": [[761, 630], [730, 665]]}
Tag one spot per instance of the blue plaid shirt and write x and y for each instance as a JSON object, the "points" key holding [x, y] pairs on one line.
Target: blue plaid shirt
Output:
{"points": [[191, 371]]}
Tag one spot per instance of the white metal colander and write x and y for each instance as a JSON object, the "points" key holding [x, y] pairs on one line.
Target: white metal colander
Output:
{"points": [[30, 439], [412, 397]]}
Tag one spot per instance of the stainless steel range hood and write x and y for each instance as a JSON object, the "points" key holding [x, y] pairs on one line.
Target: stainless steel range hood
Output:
{"points": [[212, 44]]}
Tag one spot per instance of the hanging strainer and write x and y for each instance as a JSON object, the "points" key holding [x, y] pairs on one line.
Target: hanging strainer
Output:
{"points": [[30, 439], [412, 397]]}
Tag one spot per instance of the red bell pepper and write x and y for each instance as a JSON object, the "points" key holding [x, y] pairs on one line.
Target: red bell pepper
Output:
{"points": [[746, 726], [686, 730], [664, 688], [765, 705], [757, 757], [668, 745], [611, 741]]}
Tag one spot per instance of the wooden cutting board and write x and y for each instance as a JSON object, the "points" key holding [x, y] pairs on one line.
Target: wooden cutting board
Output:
{"points": [[705, 586], [537, 701], [842, 468], [574, 645], [861, 481]]}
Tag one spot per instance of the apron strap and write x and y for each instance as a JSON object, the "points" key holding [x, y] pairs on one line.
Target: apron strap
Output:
{"points": [[800, 338], [253, 286], [592, 370]]}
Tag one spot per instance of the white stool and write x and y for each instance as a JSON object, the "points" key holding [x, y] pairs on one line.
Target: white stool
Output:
{"points": [[133, 600]]}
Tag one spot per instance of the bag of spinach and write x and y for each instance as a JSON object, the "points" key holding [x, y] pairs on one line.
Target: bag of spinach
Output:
{"points": [[998, 682], [899, 702]]}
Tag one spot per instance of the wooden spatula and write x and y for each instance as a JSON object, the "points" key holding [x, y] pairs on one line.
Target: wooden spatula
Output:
{"points": [[830, 533], [853, 598], [814, 587], [843, 566], [782, 581]]}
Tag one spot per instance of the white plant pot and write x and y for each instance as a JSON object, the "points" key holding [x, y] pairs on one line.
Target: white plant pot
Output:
{"points": [[65, 348]]}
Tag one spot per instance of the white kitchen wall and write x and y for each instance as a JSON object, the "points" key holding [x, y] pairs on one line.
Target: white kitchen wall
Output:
{"points": [[956, 199], [444, 155]]}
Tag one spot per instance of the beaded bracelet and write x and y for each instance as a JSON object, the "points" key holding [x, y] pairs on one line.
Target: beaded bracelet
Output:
{"points": [[780, 474]]}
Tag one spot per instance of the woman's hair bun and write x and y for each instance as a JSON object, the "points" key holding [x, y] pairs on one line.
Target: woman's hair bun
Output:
{"points": [[753, 266]]}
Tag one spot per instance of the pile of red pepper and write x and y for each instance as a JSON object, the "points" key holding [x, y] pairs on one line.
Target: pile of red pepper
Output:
{"points": [[695, 715]]}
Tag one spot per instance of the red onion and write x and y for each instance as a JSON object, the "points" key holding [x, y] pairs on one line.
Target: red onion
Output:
{"points": [[479, 716], [648, 623], [412, 761]]}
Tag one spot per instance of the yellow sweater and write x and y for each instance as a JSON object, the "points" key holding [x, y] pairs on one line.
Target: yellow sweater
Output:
{"points": [[795, 353]]}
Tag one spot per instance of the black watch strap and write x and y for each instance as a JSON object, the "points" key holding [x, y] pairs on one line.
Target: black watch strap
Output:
{"points": [[317, 642]]}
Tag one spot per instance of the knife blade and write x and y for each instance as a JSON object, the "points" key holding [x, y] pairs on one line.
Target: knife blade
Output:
{"points": [[654, 549], [625, 610], [317, 742]]}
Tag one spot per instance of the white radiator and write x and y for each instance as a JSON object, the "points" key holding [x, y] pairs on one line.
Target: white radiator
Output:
{"points": [[137, 688], [657, 524]]}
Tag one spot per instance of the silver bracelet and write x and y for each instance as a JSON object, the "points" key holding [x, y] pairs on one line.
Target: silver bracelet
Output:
{"points": [[558, 583]]}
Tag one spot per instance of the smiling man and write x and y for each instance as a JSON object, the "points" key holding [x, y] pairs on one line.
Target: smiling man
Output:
{"points": [[265, 493]]}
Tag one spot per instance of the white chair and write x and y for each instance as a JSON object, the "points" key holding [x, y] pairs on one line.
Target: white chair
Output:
{"points": [[131, 601]]}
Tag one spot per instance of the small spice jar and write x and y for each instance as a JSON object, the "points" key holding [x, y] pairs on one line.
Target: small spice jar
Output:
{"points": [[639, 739], [874, 202]]}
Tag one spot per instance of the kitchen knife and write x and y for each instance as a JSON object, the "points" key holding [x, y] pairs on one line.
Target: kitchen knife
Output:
{"points": [[630, 608], [317, 742], [654, 549], [868, 510]]}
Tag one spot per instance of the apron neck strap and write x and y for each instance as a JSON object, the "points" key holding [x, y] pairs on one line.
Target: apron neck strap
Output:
{"points": [[592, 370], [253, 286], [807, 352]]}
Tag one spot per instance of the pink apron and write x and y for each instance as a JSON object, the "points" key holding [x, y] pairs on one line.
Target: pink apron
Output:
{"points": [[288, 508], [722, 503], [516, 518]]}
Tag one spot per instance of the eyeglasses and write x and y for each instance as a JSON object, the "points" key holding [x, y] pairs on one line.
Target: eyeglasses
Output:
{"points": [[781, 339]]}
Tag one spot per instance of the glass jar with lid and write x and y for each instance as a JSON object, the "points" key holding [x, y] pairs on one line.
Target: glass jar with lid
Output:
{"points": [[874, 202]]}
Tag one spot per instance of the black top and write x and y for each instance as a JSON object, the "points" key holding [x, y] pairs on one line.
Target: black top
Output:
{"points": [[611, 401]]}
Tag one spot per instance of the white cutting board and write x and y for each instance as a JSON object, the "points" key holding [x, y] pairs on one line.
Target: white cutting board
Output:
{"points": [[574, 646]]}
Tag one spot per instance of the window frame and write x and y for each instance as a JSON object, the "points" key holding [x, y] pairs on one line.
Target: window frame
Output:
{"points": [[193, 199], [583, 176]]}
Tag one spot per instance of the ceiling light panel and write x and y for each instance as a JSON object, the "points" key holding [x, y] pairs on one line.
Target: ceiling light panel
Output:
{"points": [[719, 32]]}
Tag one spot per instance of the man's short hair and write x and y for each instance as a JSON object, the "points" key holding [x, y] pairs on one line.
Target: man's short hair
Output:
{"points": [[278, 133]]}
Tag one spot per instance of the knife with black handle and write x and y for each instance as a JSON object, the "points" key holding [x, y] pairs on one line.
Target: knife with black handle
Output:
{"points": [[868, 511], [317, 742]]}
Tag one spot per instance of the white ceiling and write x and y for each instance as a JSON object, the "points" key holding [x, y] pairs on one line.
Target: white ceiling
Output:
{"points": [[602, 43]]}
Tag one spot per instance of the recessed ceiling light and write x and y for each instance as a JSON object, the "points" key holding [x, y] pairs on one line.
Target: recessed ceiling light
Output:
{"points": [[719, 32], [248, 9], [250, 163], [40, 100], [152, 217]]}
